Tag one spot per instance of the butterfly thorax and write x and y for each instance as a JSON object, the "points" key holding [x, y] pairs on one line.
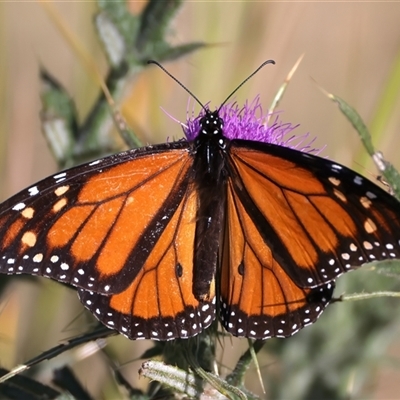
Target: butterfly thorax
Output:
{"points": [[210, 146]]}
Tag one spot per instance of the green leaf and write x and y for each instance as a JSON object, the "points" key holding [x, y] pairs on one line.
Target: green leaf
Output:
{"points": [[173, 53], [154, 23], [391, 175], [386, 267], [172, 377]]}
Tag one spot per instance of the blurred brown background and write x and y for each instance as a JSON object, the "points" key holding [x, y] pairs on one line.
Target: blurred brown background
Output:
{"points": [[350, 49]]}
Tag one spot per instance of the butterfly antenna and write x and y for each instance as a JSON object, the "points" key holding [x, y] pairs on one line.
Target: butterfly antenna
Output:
{"points": [[250, 76], [179, 83]]}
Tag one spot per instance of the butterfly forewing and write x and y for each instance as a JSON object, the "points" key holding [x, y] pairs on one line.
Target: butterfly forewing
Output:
{"points": [[319, 218], [87, 226]]}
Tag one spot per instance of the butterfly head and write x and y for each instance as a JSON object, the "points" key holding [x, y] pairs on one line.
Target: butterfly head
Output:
{"points": [[211, 127], [211, 124]]}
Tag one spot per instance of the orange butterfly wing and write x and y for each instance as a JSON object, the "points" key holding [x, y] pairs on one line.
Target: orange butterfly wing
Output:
{"points": [[295, 222], [121, 226]]}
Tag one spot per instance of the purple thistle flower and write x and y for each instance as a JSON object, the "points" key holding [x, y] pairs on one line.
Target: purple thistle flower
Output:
{"points": [[249, 122]]}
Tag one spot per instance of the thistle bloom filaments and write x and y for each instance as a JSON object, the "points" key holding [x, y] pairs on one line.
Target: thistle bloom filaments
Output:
{"points": [[250, 122]]}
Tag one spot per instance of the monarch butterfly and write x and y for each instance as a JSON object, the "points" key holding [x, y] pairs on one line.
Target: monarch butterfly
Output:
{"points": [[160, 239]]}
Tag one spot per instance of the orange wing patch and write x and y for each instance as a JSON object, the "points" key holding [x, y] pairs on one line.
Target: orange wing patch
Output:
{"points": [[13, 232], [285, 173], [270, 198], [259, 299], [159, 303], [128, 176]]}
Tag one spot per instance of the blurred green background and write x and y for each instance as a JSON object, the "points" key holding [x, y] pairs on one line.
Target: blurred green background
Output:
{"points": [[351, 49]]}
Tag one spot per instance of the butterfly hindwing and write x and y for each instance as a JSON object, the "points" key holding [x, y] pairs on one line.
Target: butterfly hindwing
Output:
{"points": [[258, 298], [159, 302]]}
